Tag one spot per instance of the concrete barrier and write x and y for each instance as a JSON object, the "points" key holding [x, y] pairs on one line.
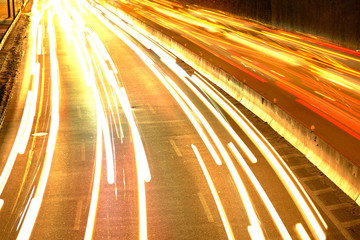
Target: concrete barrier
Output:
{"points": [[336, 167]]}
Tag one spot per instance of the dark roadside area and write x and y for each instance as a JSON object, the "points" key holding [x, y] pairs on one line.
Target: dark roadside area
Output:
{"points": [[11, 55]]}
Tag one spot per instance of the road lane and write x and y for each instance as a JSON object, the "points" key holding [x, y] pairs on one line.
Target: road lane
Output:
{"points": [[154, 108], [65, 207]]}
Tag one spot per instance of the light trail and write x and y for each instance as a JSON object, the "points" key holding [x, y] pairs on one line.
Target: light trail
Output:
{"points": [[150, 64], [143, 171], [25, 126], [302, 232], [275, 216], [216, 113], [140, 154], [282, 173], [274, 160], [254, 229], [32, 111], [104, 123], [96, 184], [14, 150], [31, 215], [215, 194], [202, 119]]}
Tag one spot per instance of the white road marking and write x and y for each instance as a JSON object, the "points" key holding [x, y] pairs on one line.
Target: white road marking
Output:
{"points": [[206, 207], [79, 112], [176, 149], [151, 108], [82, 149], [78, 215]]}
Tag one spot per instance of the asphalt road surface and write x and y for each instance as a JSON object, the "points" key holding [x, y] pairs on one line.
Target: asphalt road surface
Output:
{"points": [[107, 139]]}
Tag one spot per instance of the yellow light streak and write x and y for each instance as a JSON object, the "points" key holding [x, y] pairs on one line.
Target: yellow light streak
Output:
{"points": [[30, 119], [105, 127], [281, 56], [102, 49], [202, 119], [81, 58], [215, 194], [302, 232], [275, 216], [193, 120], [142, 205], [1, 203], [276, 162], [231, 131], [39, 38], [337, 79], [35, 33], [140, 154], [150, 64], [254, 228], [30, 218], [96, 184], [31, 215], [14, 150]]}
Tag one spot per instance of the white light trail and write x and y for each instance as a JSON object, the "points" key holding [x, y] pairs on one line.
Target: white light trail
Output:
{"points": [[302, 232], [275, 216], [140, 154], [14, 150], [30, 120], [31, 215], [215, 194], [181, 73], [105, 127], [24, 127], [96, 184], [254, 228], [274, 159]]}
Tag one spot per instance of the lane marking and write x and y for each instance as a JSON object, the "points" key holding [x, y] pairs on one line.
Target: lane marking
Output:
{"points": [[206, 207], [215, 194], [176, 149], [79, 206], [152, 110], [79, 112], [82, 149]]}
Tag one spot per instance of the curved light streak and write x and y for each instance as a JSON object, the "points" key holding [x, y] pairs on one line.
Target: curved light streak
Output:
{"points": [[96, 184], [275, 216], [150, 64], [216, 197], [104, 123], [174, 67], [31, 215], [24, 127], [302, 232], [14, 150], [140, 154], [30, 120], [274, 159]]}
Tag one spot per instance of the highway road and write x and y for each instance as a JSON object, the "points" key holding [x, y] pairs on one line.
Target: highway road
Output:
{"points": [[108, 138]]}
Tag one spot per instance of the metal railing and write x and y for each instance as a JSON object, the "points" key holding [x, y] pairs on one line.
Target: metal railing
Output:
{"points": [[9, 9]]}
